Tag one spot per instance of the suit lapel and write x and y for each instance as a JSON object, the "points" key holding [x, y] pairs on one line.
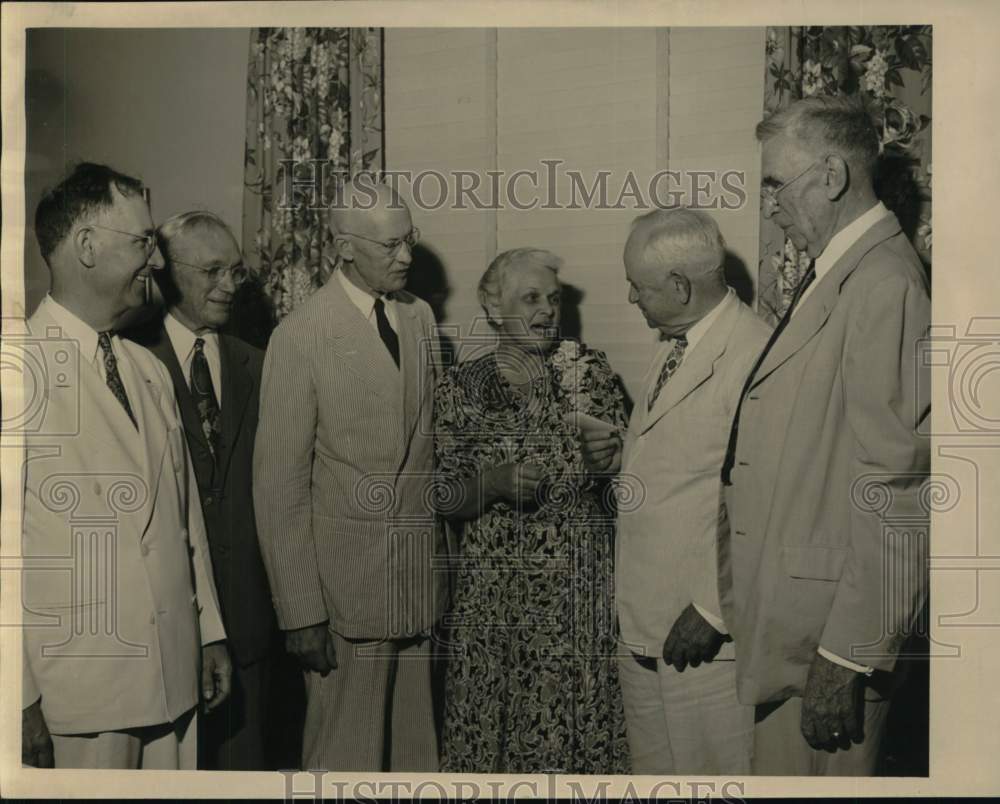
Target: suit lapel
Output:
{"points": [[359, 347], [696, 367], [816, 309], [237, 388], [410, 342], [148, 407]]}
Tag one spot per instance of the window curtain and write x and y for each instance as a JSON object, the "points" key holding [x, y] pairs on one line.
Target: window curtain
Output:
{"points": [[890, 67], [314, 116]]}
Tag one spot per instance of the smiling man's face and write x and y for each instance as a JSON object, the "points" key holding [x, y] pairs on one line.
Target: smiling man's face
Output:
{"points": [[204, 280]]}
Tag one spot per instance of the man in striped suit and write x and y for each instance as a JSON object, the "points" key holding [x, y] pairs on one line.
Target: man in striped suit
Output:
{"points": [[343, 462]]}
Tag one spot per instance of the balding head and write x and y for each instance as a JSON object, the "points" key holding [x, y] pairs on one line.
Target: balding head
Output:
{"points": [[374, 235], [674, 265]]}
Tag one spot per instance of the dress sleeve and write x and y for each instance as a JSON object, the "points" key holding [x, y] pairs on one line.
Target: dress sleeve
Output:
{"points": [[603, 395]]}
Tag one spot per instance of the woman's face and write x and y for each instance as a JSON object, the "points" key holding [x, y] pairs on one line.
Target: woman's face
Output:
{"points": [[529, 307]]}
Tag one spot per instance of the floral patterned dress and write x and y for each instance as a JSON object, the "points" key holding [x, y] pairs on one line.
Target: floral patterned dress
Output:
{"points": [[532, 681]]}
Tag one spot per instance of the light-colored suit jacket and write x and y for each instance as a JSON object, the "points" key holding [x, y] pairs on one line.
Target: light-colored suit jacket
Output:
{"points": [[117, 588], [343, 467], [828, 458], [673, 454]]}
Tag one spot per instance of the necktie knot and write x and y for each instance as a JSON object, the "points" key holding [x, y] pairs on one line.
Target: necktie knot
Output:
{"points": [[199, 344]]}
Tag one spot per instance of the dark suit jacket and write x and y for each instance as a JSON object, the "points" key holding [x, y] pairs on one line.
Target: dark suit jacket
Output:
{"points": [[226, 489]]}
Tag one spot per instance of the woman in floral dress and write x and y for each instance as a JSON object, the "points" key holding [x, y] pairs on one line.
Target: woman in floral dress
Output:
{"points": [[532, 683]]}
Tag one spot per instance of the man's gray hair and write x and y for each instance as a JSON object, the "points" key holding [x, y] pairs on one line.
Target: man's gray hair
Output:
{"points": [[682, 238], [186, 223], [837, 123], [492, 281]]}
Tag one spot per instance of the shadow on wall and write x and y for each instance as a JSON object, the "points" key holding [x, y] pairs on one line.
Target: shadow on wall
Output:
{"points": [[738, 277]]}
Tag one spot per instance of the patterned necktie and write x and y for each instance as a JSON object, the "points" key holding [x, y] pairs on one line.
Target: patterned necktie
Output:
{"points": [[111, 375], [670, 365], [204, 396], [385, 330], [727, 466]]}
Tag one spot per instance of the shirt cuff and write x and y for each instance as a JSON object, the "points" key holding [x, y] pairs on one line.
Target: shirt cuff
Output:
{"points": [[833, 657], [713, 620]]}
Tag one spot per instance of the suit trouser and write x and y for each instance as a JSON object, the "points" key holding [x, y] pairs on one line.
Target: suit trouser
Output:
{"points": [[781, 750], [685, 723], [232, 736], [374, 712], [167, 746]]}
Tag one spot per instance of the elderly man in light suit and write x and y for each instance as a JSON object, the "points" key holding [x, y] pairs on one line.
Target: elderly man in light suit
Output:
{"points": [[818, 590], [342, 467], [679, 682], [119, 641]]}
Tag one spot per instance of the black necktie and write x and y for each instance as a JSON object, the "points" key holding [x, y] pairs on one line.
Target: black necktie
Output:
{"points": [[727, 466], [203, 392], [111, 375], [385, 330]]}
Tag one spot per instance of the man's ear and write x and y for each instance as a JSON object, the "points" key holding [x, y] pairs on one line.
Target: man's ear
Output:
{"points": [[345, 248], [83, 245], [837, 176], [681, 286]]}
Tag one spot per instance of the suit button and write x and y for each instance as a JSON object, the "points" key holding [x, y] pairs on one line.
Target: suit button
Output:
{"points": [[209, 499], [144, 550]]}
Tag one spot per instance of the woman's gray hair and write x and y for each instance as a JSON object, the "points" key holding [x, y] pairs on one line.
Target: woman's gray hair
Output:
{"points": [[491, 283]]}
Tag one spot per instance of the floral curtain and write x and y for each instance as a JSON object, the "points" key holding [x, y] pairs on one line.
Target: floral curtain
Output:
{"points": [[314, 116], [890, 67]]}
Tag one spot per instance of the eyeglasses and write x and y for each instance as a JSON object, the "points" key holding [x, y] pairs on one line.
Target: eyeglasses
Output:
{"points": [[215, 273], [148, 240], [392, 246], [769, 194]]}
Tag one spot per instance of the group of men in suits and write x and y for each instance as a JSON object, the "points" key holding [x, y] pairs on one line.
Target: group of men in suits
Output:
{"points": [[293, 492], [764, 604]]}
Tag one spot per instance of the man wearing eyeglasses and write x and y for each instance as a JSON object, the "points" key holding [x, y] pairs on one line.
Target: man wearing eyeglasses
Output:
{"points": [[342, 470], [217, 381], [122, 631], [817, 588]]}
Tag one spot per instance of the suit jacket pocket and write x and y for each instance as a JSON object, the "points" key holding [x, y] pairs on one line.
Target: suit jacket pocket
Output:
{"points": [[814, 563]]}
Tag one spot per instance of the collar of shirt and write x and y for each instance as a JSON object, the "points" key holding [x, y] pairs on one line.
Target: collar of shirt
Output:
{"points": [[182, 340], [702, 325], [365, 302], [75, 329], [840, 243]]}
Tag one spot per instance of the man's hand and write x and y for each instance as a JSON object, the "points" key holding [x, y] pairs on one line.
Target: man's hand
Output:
{"points": [[313, 647], [36, 744], [216, 674], [516, 483], [832, 706], [602, 451], [692, 640]]}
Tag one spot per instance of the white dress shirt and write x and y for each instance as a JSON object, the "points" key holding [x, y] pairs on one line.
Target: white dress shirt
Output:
{"points": [[182, 340], [365, 302]]}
